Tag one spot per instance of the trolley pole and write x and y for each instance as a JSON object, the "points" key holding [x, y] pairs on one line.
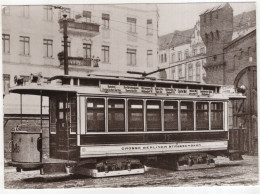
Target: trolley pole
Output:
{"points": [[65, 36]]}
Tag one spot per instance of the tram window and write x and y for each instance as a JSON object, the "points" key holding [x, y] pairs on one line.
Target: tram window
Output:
{"points": [[128, 83], [163, 85], [110, 82], [187, 116], [202, 116], [66, 82], [153, 115], [73, 115], [53, 114], [146, 84], [89, 82], [216, 115], [135, 115], [170, 115], [95, 115], [116, 115]]}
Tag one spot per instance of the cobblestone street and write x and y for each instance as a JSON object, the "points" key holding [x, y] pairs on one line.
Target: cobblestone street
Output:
{"points": [[227, 172]]}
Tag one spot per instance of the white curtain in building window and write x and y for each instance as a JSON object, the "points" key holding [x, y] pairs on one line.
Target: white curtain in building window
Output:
{"points": [[149, 58]]}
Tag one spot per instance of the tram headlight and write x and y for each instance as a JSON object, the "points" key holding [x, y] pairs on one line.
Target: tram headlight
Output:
{"points": [[241, 89]]}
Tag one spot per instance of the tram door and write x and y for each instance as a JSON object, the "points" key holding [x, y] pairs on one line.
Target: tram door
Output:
{"points": [[63, 126]]}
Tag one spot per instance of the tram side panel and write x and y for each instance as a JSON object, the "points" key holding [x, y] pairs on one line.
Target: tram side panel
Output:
{"points": [[105, 144]]}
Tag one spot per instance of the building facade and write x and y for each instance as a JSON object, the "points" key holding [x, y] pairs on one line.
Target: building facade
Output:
{"points": [[233, 63], [183, 51], [102, 39]]}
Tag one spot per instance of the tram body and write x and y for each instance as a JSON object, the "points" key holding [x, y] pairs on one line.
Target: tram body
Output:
{"points": [[108, 126]]}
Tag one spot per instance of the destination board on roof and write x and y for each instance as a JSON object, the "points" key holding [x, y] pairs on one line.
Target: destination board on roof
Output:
{"points": [[153, 90]]}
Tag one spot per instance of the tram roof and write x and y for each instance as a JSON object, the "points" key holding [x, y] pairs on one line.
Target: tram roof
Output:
{"points": [[133, 79], [63, 86]]}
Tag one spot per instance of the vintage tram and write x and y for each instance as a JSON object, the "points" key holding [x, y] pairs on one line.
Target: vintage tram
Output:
{"points": [[110, 125]]}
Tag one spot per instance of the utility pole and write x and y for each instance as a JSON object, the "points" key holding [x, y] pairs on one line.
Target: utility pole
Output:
{"points": [[65, 36]]}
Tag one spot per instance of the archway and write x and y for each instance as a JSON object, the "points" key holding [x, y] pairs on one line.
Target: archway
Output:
{"points": [[246, 111]]}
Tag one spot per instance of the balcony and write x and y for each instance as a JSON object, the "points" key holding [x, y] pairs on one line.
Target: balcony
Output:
{"points": [[80, 28], [79, 61]]}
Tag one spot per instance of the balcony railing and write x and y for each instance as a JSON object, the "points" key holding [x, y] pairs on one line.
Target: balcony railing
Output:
{"points": [[81, 28], [79, 61]]}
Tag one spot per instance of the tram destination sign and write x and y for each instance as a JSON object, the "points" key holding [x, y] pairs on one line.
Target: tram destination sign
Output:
{"points": [[153, 90]]}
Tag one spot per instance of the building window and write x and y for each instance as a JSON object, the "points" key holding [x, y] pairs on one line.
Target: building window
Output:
{"points": [[161, 58], [131, 22], [149, 58], [195, 52], [179, 56], [6, 10], [87, 50], [105, 54], [173, 73], [173, 57], [6, 43], [186, 54], [105, 20], [165, 57], [217, 35], [211, 36], [24, 45], [202, 50], [131, 56], [87, 15], [48, 47], [25, 11], [198, 70], [180, 71], [149, 27], [68, 46], [190, 72], [206, 39], [48, 13]]}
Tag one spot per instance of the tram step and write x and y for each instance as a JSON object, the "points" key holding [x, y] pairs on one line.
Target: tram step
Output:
{"points": [[94, 173], [195, 166]]}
